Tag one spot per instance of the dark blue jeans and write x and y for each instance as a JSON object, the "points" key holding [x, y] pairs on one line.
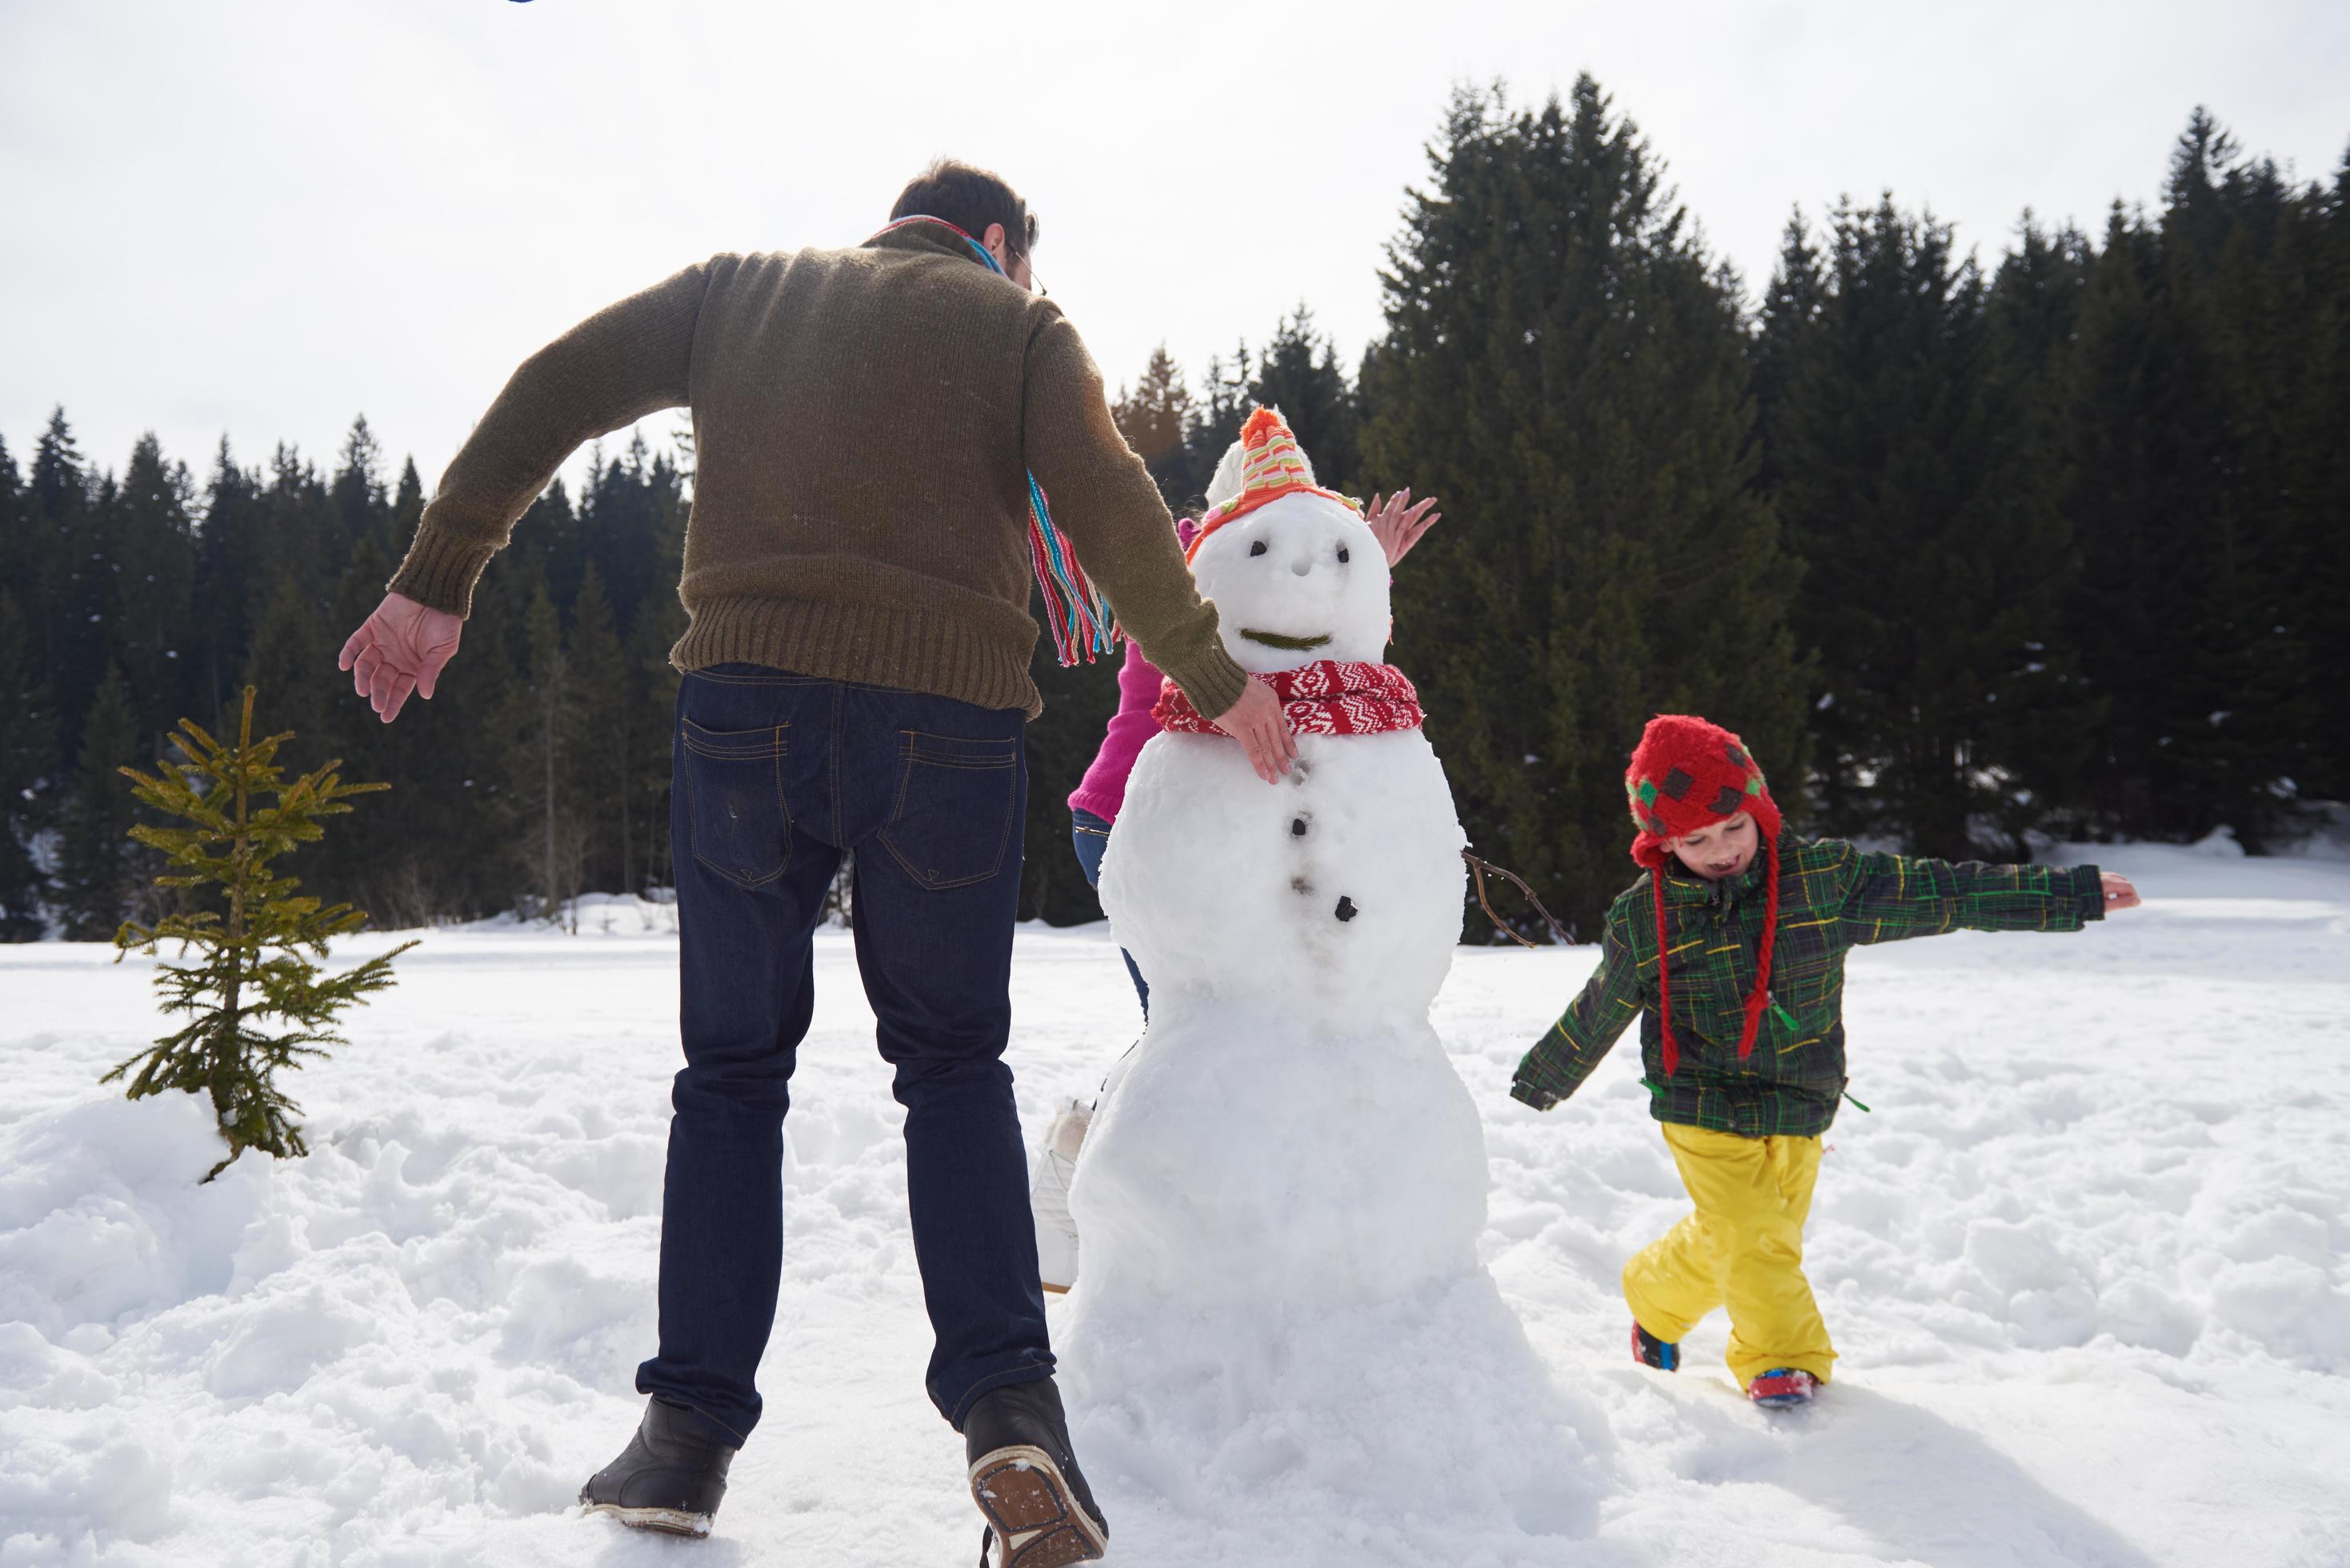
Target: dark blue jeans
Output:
{"points": [[1090, 834], [775, 775]]}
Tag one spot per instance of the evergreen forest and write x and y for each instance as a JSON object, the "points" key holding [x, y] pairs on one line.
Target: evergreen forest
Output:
{"points": [[1973, 553]]}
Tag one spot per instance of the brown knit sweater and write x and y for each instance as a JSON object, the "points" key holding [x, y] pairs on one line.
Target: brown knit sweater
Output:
{"points": [[863, 423]]}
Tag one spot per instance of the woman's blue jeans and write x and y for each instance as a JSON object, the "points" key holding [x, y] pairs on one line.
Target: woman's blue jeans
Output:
{"points": [[775, 775]]}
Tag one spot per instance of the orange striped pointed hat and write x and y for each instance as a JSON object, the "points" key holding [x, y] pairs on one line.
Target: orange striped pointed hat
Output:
{"points": [[1272, 465]]}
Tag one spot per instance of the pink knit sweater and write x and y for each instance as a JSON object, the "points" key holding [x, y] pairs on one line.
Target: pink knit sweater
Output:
{"points": [[1102, 789]]}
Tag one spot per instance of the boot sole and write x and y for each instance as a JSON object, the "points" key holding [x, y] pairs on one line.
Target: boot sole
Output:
{"points": [[1782, 1401], [1028, 1503], [665, 1520]]}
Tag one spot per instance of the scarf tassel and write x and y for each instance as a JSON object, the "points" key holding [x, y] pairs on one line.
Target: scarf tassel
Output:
{"points": [[1075, 613]]}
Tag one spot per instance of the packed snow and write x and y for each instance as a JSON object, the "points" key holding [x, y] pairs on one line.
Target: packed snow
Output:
{"points": [[2085, 1262]]}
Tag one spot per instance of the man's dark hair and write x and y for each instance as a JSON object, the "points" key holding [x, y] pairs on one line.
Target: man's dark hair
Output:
{"points": [[970, 198]]}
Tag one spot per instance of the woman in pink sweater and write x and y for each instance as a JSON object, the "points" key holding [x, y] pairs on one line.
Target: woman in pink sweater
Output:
{"points": [[1093, 807]]}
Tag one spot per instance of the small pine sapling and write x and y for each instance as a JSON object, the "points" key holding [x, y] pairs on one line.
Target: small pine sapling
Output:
{"points": [[253, 1002]]}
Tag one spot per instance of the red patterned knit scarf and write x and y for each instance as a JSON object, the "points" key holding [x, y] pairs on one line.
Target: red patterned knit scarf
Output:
{"points": [[1331, 697]]}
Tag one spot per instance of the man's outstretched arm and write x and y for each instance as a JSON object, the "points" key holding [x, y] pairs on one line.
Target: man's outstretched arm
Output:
{"points": [[625, 361]]}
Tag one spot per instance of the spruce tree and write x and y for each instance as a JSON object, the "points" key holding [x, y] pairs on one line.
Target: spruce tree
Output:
{"points": [[1936, 561], [2219, 228], [155, 574], [2043, 728], [2196, 482], [300, 537], [291, 653], [623, 516], [2273, 306], [231, 568], [2321, 480], [19, 560], [361, 509], [253, 1001], [542, 798], [597, 740], [1565, 370], [96, 869], [360, 863], [1215, 422], [1153, 418], [407, 509], [73, 602], [652, 684], [29, 767]]}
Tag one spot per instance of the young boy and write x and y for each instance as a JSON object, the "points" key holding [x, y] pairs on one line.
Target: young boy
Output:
{"points": [[1742, 1028]]}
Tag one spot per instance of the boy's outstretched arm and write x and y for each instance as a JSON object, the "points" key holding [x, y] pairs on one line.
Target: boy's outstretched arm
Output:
{"points": [[1565, 1057], [1888, 898]]}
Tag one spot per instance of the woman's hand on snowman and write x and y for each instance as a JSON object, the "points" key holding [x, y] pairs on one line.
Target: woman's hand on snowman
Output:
{"points": [[1397, 524], [2119, 893], [1257, 722]]}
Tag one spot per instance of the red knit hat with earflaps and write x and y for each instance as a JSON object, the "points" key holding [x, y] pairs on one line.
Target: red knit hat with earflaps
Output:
{"points": [[1685, 775]]}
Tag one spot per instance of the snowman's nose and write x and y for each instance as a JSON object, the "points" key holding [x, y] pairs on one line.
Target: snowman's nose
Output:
{"points": [[1303, 565]]}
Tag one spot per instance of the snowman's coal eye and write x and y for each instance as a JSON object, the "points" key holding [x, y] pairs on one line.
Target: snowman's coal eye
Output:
{"points": [[1257, 548], [1342, 553]]}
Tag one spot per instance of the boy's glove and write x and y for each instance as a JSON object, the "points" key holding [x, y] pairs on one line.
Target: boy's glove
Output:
{"points": [[1526, 1092]]}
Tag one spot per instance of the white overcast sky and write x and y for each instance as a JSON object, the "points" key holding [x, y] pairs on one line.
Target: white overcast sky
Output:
{"points": [[263, 218]]}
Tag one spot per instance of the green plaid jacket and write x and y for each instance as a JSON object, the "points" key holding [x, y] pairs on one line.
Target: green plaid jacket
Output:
{"points": [[1832, 898]]}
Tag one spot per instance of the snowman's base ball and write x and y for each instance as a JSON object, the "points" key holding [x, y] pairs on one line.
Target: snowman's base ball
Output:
{"points": [[1252, 1156]]}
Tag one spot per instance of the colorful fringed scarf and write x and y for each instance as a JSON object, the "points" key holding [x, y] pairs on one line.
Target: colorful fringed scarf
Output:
{"points": [[1075, 613], [1331, 697]]}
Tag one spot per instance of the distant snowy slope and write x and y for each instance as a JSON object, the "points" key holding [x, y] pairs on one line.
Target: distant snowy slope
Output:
{"points": [[2084, 1262]]}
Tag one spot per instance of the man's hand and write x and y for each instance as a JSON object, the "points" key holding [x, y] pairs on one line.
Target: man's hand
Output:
{"points": [[2119, 894], [399, 649], [1257, 722], [1397, 529]]}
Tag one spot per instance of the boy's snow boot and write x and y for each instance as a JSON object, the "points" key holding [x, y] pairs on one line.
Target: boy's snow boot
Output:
{"points": [[1024, 1477], [1651, 1351], [670, 1477], [1782, 1388], [1048, 1195]]}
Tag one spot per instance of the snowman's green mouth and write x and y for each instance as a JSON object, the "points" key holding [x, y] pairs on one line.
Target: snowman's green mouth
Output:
{"points": [[1275, 639]]}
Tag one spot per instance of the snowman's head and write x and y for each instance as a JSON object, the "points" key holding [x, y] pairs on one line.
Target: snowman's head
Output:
{"points": [[1295, 573]]}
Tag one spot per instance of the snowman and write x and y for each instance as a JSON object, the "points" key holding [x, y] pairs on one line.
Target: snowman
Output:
{"points": [[1280, 1193]]}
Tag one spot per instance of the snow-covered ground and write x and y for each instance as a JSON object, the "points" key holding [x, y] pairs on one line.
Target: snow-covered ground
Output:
{"points": [[2084, 1262]]}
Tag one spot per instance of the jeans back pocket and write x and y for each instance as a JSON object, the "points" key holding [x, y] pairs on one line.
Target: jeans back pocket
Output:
{"points": [[734, 788], [957, 801]]}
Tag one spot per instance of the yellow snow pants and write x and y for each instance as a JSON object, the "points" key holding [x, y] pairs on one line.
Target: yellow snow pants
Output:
{"points": [[1743, 1249]]}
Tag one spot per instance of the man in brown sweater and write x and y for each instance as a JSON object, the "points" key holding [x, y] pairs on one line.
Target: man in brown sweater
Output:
{"points": [[856, 571]]}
